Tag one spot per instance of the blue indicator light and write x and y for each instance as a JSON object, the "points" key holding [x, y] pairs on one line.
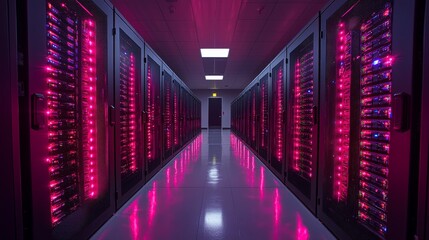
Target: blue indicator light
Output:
{"points": [[376, 62]]}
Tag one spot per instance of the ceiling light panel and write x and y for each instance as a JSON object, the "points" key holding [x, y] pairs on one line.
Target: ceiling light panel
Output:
{"points": [[214, 77], [214, 52]]}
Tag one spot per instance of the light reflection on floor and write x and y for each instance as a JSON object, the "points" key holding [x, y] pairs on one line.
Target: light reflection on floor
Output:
{"points": [[214, 189]]}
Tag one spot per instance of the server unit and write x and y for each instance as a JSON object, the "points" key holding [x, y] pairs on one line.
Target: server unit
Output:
{"points": [[168, 111], [265, 103], [182, 113], [153, 117], [129, 52], [176, 114], [254, 113], [370, 119], [278, 110], [66, 143], [302, 98]]}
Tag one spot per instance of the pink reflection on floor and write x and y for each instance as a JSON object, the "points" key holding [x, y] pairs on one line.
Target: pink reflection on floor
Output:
{"points": [[261, 183], [151, 195], [301, 230], [134, 220]]}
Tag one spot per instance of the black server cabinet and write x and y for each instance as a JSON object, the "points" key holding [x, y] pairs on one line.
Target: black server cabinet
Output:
{"points": [[129, 52], [168, 111], [423, 191], [176, 114], [303, 98], [369, 135], [67, 144], [254, 109], [278, 120], [246, 129], [153, 117], [182, 116], [265, 105], [10, 203]]}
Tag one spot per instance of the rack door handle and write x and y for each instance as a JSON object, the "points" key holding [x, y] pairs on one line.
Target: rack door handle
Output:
{"points": [[38, 117], [400, 111], [112, 115], [314, 110]]}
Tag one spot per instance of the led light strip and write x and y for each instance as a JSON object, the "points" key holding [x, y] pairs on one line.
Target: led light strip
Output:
{"points": [[279, 118], [89, 77], [133, 113], [342, 121], [150, 122]]}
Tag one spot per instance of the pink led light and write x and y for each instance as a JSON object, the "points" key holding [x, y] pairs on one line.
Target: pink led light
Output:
{"points": [[89, 110], [375, 122], [262, 113], [150, 110], [278, 137], [342, 117]]}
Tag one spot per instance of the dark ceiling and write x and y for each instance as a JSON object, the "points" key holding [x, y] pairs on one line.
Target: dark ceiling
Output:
{"points": [[254, 30]]}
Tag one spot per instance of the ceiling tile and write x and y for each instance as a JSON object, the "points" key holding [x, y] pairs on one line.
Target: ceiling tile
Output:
{"points": [[177, 30], [162, 36], [251, 10], [179, 10]]}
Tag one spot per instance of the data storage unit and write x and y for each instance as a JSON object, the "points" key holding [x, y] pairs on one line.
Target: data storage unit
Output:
{"points": [[66, 143], [278, 111], [264, 121], [153, 119], [370, 119], [176, 113], [168, 111], [254, 110], [303, 100], [129, 52]]}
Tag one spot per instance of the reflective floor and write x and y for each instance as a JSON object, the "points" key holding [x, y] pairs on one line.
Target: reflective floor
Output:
{"points": [[214, 189]]}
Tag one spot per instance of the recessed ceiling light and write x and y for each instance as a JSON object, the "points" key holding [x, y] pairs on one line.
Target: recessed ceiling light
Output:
{"points": [[214, 77], [214, 52]]}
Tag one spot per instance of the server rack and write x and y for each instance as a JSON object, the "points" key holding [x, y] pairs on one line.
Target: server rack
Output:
{"points": [[264, 128], [303, 100], [66, 144], [168, 111], [370, 119], [278, 110], [153, 112], [129, 52], [423, 198], [176, 114], [254, 116], [182, 108], [10, 203]]}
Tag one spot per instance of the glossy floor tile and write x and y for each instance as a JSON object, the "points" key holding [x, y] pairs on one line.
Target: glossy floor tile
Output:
{"points": [[214, 189]]}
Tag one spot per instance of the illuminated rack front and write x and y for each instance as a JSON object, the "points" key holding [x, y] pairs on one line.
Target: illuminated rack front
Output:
{"points": [[128, 111], [151, 118], [342, 113], [253, 123], [167, 114], [303, 115], [176, 113], [71, 110], [264, 113], [278, 114], [375, 115]]}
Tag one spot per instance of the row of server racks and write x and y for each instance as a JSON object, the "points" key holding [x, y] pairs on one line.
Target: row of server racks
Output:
{"points": [[340, 116], [90, 114]]}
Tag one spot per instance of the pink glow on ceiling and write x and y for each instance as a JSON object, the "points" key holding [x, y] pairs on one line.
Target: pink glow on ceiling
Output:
{"points": [[254, 30]]}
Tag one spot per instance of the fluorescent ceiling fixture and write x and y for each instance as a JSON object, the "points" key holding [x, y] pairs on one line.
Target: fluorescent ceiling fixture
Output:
{"points": [[214, 52], [214, 77]]}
